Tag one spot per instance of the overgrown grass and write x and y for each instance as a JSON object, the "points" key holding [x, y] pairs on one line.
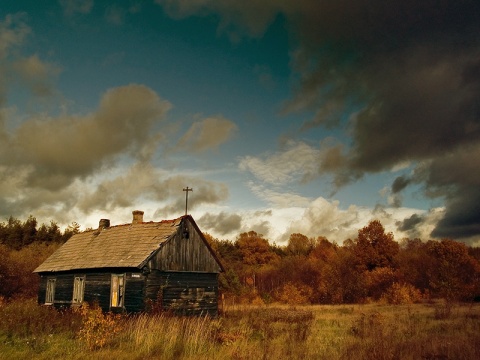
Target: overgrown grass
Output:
{"points": [[421, 331]]}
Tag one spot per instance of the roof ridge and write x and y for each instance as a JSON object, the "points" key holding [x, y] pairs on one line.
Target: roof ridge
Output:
{"points": [[139, 223]]}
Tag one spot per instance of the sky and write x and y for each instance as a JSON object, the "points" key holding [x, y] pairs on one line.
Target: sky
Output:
{"points": [[305, 116]]}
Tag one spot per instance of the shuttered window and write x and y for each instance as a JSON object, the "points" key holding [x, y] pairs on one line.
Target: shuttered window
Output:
{"points": [[50, 291], [78, 289], [118, 290]]}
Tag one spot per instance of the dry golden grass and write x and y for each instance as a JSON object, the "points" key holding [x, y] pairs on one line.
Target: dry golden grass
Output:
{"points": [[373, 331]]}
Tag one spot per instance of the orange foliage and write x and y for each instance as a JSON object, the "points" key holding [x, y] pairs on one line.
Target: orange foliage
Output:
{"points": [[255, 249], [398, 294], [378, 281], [299, 244], [98, 328], [294, 294], [375, 248], [16, 269], [453, 273]]}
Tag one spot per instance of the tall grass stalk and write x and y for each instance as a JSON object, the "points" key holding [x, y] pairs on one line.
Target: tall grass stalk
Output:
{"points": [[172, 337]]}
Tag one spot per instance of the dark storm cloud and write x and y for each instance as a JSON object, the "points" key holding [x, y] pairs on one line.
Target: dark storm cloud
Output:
{"points": [[413, 71], [462, 216], [456, 177], [400, 183], [405, 75], [408, 72], [410, 223]]}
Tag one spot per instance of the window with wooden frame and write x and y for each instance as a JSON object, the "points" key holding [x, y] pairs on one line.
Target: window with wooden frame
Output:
{"points": [[117, 293], [78, 289], [50, 291]]}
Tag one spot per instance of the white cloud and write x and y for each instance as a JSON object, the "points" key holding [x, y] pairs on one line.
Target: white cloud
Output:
{"points": [[299, 162], [320, 217], [277, 199]]}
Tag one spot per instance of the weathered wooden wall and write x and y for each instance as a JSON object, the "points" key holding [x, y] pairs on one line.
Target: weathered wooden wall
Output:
{"points": [[135, 292], [97, 289], [185, 293], [185, 254], [63, 289]]}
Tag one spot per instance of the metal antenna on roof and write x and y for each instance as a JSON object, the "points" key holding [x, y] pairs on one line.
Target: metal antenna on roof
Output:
{"points": [[187, 189]]}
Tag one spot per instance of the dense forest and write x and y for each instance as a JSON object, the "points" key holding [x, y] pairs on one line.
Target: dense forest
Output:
{"points": [[371, 267]]}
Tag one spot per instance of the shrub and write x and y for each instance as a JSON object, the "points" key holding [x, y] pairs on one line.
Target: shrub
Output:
{"points": [[98, 328], [401, 294], [294, 294]]}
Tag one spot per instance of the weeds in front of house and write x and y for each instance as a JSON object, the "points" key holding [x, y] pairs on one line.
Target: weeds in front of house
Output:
{"points": [[24, 319], [168, 337], [372, 331], [98, 328]]}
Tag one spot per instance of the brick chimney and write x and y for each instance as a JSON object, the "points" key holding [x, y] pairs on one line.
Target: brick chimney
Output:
{"points": [[137, 216], [103, 223]]}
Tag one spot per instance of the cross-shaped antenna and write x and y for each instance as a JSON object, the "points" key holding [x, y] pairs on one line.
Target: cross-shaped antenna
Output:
{"points": [[187, 189]]}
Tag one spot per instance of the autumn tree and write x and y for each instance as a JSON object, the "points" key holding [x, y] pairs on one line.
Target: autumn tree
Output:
{"points": [[375, 252], [323, 249], [374, 248], [317, 268], [255, 249], [344, 282], [256, 255], [16, 269], [299, 244], [413, 259], [452, 272]]}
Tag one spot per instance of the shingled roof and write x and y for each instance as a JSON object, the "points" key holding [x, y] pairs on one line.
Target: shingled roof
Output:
{"points": [[127, 245]]}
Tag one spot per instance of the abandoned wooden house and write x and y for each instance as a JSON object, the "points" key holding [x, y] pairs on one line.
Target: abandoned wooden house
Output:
{"points": [[129, 268]]}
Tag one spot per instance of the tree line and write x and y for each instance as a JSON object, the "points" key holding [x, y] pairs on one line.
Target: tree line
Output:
{"points": [[24, 246], [371, 267]]}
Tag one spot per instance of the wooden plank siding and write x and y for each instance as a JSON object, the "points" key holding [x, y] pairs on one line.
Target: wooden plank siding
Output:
{"points": [[134, 292], [184, 293], [185, 254], [97, 289]]}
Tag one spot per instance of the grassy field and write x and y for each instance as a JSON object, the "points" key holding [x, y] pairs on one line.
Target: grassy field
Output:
{"points": [[373, 331]]}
